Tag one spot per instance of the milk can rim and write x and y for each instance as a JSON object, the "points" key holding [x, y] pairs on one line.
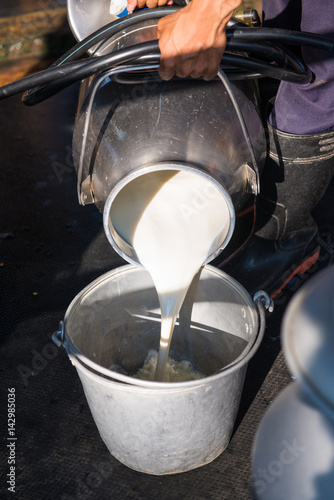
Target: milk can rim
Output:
{"points": [[178, 166]]}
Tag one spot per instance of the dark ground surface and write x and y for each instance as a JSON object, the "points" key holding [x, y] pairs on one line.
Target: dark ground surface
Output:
{"points": [[50, 249]]}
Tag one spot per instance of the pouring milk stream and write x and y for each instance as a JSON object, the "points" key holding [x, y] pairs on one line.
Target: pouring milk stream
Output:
{"points": [[174, 220]]}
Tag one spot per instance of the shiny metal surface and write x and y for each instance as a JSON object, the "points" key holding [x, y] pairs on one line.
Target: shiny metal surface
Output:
{"points": [[155, 427], [303, 413], [151, 124], [86, 16]]}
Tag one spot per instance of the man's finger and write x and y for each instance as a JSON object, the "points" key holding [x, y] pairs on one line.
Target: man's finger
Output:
{"points": [[166, 75], [132, 4]]}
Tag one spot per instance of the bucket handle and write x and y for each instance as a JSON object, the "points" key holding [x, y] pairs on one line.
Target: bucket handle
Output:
{"points": [[59, 335], [263, 304], [262, 298]]}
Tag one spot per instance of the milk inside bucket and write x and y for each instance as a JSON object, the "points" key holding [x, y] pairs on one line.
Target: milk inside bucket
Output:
{"points": [[153, 427]]}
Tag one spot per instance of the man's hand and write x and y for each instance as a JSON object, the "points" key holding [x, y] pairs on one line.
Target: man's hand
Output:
{"points": [[193, 39], [133, 4]]}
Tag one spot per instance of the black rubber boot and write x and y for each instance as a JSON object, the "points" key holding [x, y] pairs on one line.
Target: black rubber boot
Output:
{"points": [[285, 239]]}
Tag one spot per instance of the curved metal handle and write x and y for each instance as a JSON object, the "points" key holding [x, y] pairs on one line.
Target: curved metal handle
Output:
{"points": [[229, 90], [120, 69], [59, 335], [82, 197], [262, 298]]}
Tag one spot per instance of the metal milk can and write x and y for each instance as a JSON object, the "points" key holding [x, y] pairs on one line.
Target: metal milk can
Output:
{"points": [[293, 455], [130, 123]]}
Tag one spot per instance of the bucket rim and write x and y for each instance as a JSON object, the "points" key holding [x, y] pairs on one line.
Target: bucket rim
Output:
{"points": [[115, 377]]}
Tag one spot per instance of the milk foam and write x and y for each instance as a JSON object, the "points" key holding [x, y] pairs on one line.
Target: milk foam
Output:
{"points": [[176, 371], [174, 220]]}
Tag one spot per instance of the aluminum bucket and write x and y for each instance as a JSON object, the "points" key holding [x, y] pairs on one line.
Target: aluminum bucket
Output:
{"points": [[159, 427]]}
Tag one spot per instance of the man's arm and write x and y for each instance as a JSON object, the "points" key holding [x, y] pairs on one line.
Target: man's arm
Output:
{"points": [[193, 39]]}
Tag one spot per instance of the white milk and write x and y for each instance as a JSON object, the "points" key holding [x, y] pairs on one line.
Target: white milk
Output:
{"points": [[174, 220], [176, 371]]}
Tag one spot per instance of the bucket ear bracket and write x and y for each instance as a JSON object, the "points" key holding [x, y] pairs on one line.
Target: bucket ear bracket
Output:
{"points": [[59, 335], [261, 297]]}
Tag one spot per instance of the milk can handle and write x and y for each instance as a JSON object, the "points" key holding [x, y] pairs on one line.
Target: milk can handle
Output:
{"points": [[223, 78], [82, 197]]}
